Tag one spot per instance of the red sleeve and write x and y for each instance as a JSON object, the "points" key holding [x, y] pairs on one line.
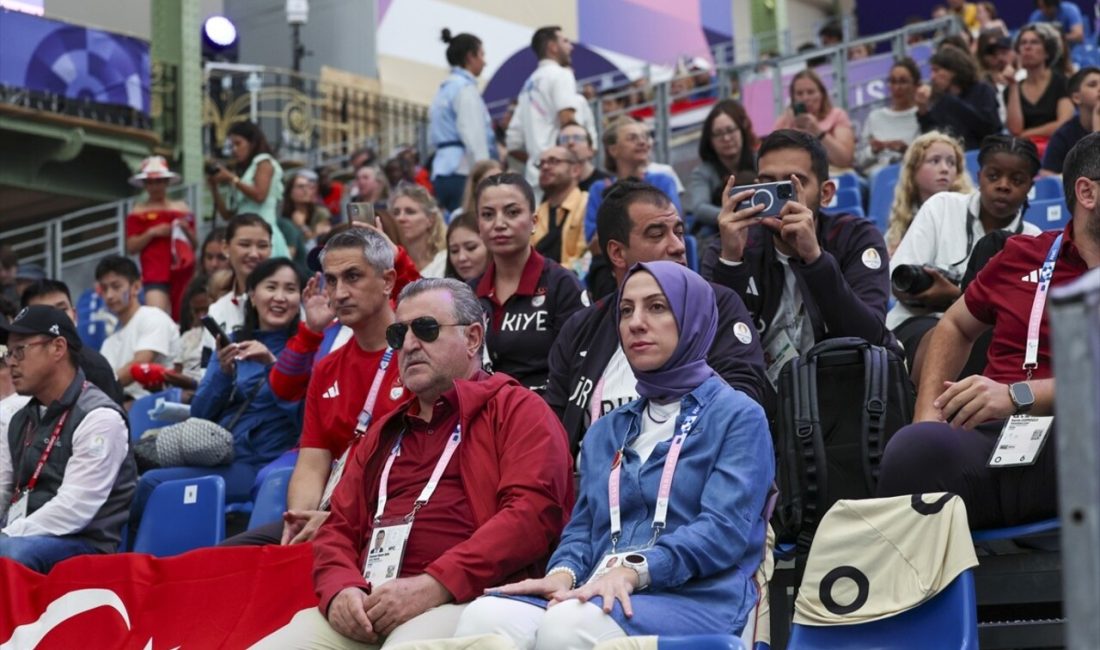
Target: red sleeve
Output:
{"points": [[979, 293], [290, 374], [407, 272], [533, 500]]}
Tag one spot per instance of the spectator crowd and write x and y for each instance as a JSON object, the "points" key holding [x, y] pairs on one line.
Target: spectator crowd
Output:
{"points": [[531, 386]]}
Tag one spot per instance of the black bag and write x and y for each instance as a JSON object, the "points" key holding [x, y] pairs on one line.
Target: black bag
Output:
{"points": [[838, 406]]}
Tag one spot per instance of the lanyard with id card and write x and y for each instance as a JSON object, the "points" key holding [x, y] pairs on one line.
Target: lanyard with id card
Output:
{"points": [[614, 558], [389, 538], [1023, 436], [20, 498], [365, 417]]}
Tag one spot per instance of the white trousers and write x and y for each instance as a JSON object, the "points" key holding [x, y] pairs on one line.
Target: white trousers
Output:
{"points": [[571, 625], [309, 630]]}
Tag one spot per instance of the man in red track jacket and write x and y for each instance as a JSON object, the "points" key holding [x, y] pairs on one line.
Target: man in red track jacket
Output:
{"points": [[477, 463]]}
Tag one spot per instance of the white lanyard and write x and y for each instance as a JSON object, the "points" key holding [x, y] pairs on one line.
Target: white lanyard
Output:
{"points": [[1031, 354], [660, 513], [367, 414], [433, 482]]}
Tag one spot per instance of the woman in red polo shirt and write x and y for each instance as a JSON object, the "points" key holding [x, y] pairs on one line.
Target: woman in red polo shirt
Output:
{"points": [[526, 297], [167, 263]]}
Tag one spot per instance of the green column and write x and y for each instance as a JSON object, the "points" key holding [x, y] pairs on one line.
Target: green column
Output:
{"points": [[175, 42]]}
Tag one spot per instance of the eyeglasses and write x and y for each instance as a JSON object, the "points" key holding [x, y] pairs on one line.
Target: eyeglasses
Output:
{"points": [[19, 352], [565, 138], [551, 162], [424, 328], [725, 133], [898, 81], [635, 138]]}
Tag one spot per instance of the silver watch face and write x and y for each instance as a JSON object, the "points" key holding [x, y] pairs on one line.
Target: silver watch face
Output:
{"points": [[634, 559]]}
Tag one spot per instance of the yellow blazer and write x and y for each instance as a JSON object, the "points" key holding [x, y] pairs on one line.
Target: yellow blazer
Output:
{"points": [[571, 215]]}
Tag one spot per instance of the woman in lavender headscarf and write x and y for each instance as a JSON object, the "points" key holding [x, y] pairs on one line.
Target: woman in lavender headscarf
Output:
{"points": [[626, 564]]}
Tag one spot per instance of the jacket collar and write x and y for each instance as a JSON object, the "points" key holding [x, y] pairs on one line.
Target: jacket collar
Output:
{"points": [[67, 400], [528, 280]]}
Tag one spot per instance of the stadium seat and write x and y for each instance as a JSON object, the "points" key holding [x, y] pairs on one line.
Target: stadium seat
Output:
{"points": [[1046, 188], [1015, 532], [845, 200], [140, 418], [849, 180], [271, 501], [692, 252], [948, 620], [700, 642], [972, 164], [288, 459], [95, 323], [1049, 214], [882, 195], [183, 515]]}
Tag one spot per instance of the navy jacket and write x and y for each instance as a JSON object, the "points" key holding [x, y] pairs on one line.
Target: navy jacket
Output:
{"points": [[845, 291], [970, 116], [588, 340]]}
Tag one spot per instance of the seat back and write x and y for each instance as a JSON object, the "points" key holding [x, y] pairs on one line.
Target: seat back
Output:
{"points": [[700, 642], [141, 419], [182, 515], [1048, 214], [845, 199], [691, 246], [95, 323], [271, 500], [972, 166], [947, 621], [882, 194], [1045, 189]]}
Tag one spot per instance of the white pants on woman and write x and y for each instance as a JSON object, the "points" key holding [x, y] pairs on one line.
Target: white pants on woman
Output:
{"points": [[571, 625]]}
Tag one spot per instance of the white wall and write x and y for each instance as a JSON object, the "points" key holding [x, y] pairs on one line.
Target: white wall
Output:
{"points": [[131, 17]]}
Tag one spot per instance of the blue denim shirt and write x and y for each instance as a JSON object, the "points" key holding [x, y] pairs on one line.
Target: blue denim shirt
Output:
{"points": [[444, 125], [703, 562]]}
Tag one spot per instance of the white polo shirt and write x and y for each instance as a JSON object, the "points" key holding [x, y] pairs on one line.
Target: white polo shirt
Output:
{"points": [[937, 237], [534, 128]]}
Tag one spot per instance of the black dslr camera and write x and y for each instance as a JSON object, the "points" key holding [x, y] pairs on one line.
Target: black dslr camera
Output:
{"points": [[914, 278]]}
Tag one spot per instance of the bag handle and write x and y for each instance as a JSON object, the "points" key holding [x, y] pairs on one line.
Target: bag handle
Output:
{"points": [[252, 395], [876, 370]]}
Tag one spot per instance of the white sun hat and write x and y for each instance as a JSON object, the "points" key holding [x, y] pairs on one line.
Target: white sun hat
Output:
{"points": [[152, 168]]}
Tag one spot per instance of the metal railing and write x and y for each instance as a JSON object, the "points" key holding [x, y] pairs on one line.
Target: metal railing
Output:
{"points": [[307, 119], [676, 117], [68, 247]]}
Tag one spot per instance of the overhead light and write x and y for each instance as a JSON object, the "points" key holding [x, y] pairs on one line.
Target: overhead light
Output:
{"points": [[221, 32]]}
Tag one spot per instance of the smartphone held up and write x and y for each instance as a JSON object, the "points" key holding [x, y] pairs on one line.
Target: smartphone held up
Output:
{"points": [[773, 196]]}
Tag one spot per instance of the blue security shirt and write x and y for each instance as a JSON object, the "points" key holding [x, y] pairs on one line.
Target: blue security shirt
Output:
{"points": [[1069, 16], [460, 129]]}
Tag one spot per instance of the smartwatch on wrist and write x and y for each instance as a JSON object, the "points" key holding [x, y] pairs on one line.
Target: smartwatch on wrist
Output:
{"points": [[638, 562], [1022, 397]]}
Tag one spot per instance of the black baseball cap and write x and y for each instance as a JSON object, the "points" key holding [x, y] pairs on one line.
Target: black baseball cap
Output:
{"points": [[44, 320]]}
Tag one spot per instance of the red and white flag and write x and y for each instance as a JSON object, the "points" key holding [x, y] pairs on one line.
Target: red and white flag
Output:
{"points": [[209, 598]]}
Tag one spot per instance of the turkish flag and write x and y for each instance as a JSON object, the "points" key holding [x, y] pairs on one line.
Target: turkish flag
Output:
{"points": [[209, 598]]}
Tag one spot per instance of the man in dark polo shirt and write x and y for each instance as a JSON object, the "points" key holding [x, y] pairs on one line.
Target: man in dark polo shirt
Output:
{"points": [[951, 444], [66, 473], [1084, 90], [589, 375]]}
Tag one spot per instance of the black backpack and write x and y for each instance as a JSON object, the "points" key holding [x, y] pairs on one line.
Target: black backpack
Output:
{"points": [[838, 406]]}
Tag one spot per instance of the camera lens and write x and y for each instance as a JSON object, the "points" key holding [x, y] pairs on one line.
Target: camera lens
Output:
{"points": [[911, 279], [785, 191]]}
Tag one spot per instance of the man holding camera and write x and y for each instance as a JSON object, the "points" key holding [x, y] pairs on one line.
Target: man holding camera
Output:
{"points": [[805, 276]]}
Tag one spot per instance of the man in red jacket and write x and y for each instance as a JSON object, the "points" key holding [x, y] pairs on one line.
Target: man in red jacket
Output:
{"points": [[470, 480]]}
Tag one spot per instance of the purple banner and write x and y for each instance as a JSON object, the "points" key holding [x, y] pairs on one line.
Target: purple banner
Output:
{"points": [[73, 61]]}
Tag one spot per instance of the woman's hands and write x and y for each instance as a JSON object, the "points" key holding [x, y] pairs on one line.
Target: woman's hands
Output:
{"points": [[229, 355], [616, 584]]}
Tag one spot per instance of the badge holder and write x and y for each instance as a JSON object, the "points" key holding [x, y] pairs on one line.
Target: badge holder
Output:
{"points": [[18, 510], [1020, 441], [387, 551]]}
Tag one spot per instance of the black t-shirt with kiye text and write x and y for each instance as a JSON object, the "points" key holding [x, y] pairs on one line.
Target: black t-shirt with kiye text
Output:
{"points": [[521, 331]]}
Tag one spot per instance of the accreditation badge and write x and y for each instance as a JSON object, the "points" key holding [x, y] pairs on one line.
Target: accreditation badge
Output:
{"points": [[1020, 441], [387, 551]]}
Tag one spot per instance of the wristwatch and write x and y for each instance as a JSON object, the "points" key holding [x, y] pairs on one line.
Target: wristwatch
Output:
{"points": [[638, 562], [1022, 397]]}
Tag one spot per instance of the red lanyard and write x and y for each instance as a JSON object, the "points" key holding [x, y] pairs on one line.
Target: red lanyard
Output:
{"points": [[43, 458]]}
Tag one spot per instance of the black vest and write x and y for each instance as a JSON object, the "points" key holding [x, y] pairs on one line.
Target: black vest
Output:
{"points": [[104, 531]]}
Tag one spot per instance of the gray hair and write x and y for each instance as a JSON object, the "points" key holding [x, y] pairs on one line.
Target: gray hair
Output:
{"points": [[467, 308], [377, 250]]}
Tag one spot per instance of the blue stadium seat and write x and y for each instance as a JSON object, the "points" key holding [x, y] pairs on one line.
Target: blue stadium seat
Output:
{"points": [[1049, 214], [183, 515], [691, 246], [92, 318], [140, 419], [700, 642], [1015, 532], [846, 199], [288, 459], [882, 194], [849, 180], [947, 621], [271, 501], [972, 164], [1046, 188]]}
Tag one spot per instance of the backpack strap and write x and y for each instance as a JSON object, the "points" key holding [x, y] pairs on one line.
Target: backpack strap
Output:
{"points": [[812, 444], [876, 377]]}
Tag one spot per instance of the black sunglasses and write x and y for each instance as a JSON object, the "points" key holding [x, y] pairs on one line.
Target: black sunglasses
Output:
{"points": [[424, 328]]}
